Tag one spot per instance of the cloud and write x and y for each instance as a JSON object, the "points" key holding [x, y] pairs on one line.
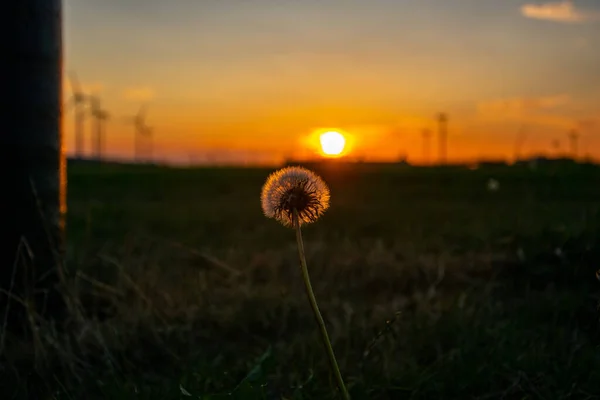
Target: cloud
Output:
{"points": [[535, 110], [563, 11], [138, 93], [523, 105]]}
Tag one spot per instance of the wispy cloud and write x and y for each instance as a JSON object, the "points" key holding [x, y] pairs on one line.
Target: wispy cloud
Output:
{"points": [[563, 11], [523, 105], [542, 110], [138, 93]]}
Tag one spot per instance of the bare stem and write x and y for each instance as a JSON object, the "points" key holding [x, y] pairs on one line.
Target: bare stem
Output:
{"points": [[313, 303]]}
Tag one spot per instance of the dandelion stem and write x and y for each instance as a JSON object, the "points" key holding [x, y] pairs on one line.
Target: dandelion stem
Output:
{"points": [[313, 303]]}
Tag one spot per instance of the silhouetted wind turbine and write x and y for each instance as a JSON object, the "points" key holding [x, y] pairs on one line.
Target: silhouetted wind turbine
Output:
{"points": [[442, 136], [100, 117], [77, 102], [141, 131], [556, 146], [148, 132], [573, 139], [519, 141]]}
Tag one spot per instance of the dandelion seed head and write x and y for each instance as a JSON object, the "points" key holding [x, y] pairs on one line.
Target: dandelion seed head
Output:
{"points": [[294, 188]]}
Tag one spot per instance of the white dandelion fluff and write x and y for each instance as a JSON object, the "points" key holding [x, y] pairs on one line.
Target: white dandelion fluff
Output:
{"points": [[294, 188]]}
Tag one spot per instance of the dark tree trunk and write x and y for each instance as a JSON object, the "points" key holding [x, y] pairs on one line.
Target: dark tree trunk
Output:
{"points": [[33, 164]]}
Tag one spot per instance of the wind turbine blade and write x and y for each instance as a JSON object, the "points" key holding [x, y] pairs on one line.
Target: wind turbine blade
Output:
{"points": [[94, 102], [141, 115], [75, 86]]}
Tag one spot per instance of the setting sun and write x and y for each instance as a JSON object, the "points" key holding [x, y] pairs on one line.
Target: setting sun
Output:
{"points": [[332, 143]]}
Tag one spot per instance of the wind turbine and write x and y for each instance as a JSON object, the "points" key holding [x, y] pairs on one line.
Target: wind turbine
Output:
{"points": [[100, 115], [442, 119], [141, 131], [573, 139], [519, 141], [148, 132], [77, 102], [556, 146]]}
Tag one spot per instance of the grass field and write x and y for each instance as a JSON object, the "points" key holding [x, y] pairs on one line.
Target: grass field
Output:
{"points": [[432, 287]]}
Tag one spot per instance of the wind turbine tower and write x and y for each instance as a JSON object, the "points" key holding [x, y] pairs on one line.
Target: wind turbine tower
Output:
{"points": [[573, 142], [519, 141], [556, 147], [77, 101], [442, 119], [148, 133], [141, 131], [100, 115]]}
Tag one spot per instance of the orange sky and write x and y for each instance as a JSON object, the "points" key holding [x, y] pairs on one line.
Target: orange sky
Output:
{"points": [[235, 81]]}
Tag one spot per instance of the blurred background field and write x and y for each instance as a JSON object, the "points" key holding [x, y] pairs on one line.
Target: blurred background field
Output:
{"points": [[431, 284], [437, 279]]}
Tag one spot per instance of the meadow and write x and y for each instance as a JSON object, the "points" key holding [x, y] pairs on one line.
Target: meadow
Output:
{"points": [[431, 285]]}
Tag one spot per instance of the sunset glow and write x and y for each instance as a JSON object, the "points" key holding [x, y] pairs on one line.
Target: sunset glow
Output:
{"points": [[270, 80], [332, 143]]}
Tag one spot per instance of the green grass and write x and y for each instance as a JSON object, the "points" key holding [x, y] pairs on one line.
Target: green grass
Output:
{"points": [[431, 287]]}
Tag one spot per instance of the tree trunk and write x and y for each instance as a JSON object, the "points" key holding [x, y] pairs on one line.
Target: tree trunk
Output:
{"points": [[33, 163]]}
